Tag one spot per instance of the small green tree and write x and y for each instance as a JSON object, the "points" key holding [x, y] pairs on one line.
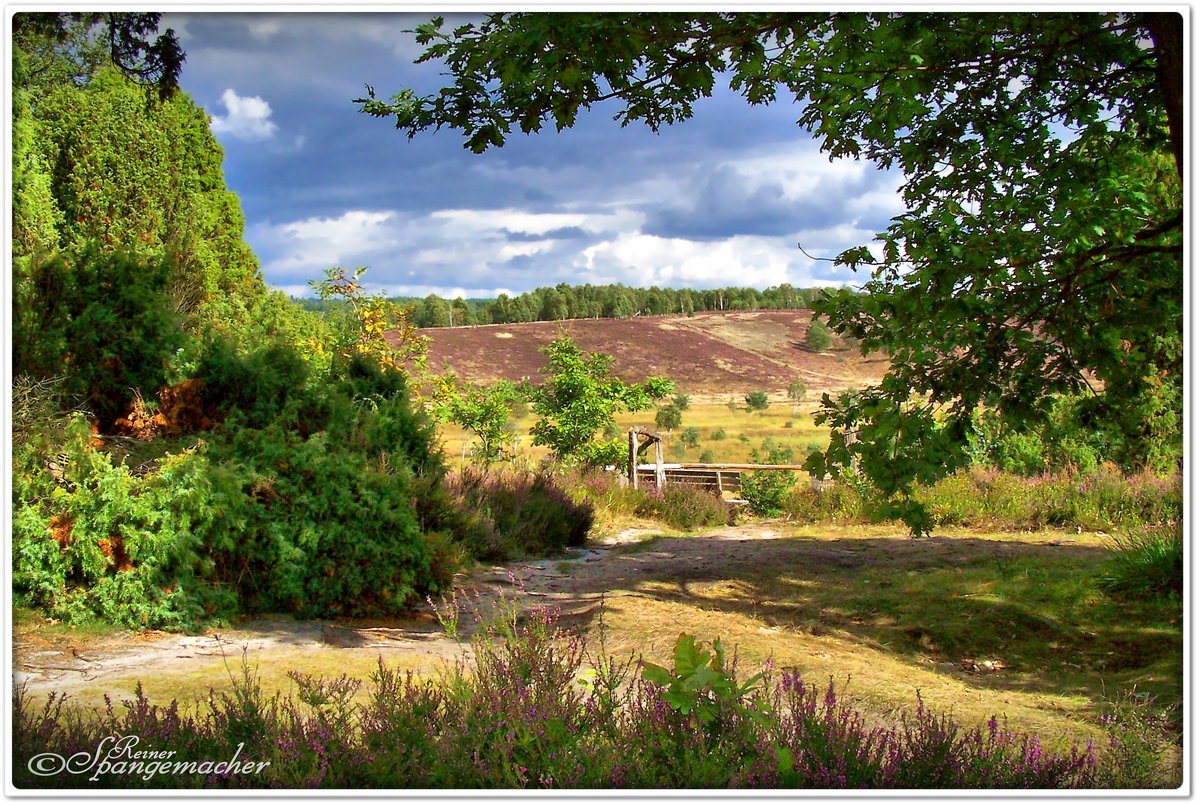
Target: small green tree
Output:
{"points": [[690, 436], [757, 401], [482, 410], [580, 396], [818, 337], [681, 401], [796, 393], [668, 419]]}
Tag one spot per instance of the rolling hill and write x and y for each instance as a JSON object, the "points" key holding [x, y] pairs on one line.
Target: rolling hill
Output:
{"points": [[708, 354]]}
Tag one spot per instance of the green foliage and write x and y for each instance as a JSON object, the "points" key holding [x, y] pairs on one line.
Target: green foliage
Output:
{"points": [[766, 491], [706, 457], [1064, 441], [580, 397], [1004, 281], [312, 528], [690, 437], [482, 410], [142, 179], [668, 418], [93, 541], [717, 435], [1146, 564], [681, 401], [371, 326], [818, 338], [101, 322], [71, 44], [699, 686], [757, 401]]}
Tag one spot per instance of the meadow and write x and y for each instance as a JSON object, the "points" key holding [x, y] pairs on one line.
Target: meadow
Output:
{"points": [[725, 435]]}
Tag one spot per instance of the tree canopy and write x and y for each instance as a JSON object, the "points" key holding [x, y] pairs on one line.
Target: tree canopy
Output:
{"points": [[1040, 251]]}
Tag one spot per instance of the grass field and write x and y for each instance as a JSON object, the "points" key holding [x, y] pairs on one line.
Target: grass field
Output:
{"points": [[730, 436]]}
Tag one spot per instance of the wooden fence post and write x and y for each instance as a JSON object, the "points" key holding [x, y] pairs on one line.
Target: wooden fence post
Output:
{"points": [[633, 446]]}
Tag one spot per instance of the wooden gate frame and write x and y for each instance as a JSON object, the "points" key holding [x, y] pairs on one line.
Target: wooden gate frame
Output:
{"points": [[635, 435]]}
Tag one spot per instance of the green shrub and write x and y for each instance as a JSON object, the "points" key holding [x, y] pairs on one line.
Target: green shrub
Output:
{"points": [[92, 541], [690, 437], [717, 435], [684, 506], [766, 491], [1146, 563], [818, 337], [318, 500], [102, 323], [311, 528], [757, 401]]}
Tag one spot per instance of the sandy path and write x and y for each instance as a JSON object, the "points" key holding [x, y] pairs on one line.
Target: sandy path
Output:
{"points": [[575, 584]]}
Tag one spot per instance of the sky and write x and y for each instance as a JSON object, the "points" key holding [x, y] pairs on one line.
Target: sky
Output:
{"points": [[721, 199]]}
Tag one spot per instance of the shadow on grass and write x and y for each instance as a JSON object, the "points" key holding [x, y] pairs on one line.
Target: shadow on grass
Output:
{"points": [[1001, 614]]}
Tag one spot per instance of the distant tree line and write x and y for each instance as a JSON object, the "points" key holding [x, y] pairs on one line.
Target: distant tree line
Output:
{"points": [[565, 301]]}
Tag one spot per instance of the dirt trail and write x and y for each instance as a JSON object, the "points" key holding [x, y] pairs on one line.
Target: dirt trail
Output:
{"points": [[46, 660], [181, 666]]}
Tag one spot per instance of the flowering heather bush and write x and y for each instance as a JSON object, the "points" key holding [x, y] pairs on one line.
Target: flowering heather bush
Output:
{"points": [[522, 514], [680, 506], [683, 506], [1101, 500], [539, 709]]}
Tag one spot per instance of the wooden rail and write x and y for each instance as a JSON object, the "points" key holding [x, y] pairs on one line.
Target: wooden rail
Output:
{"points": [[719, 476], [717, 479]]}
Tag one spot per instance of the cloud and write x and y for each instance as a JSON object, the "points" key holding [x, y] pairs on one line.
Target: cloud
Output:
{"points": [[722, 198], [298, 251], [246, 118]]}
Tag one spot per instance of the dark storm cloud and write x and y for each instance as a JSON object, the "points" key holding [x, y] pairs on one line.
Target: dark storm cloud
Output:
{"points": [[724, 202], [321, 183]]}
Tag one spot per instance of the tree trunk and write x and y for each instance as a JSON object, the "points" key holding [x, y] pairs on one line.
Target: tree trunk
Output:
{"points": [[1166, 29]]}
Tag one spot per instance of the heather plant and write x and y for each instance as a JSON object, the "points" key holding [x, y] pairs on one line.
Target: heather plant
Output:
{"points": [[1103, 500], [683, 506], [538, 709], [521, 513]]}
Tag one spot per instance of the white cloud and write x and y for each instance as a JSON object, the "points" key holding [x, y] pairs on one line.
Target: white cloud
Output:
{"points": [[305, 248], [263, 27], [645, 260], [246, 118]]}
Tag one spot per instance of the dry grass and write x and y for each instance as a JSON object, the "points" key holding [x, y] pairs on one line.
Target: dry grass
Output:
{"points": [[803, 435]]}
